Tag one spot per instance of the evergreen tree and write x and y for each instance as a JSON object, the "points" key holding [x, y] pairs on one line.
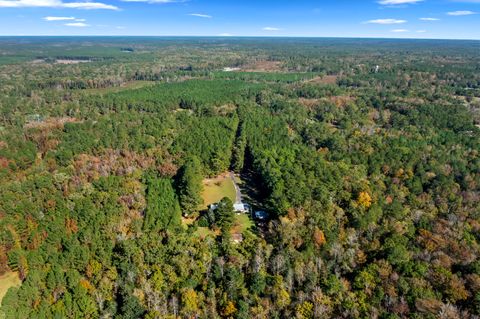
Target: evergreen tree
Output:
{"points": [[224, 214], [190, 186], [163, 209]]}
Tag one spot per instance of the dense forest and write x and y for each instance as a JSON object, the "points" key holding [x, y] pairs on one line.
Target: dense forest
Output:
{"points": [[364, 153]]}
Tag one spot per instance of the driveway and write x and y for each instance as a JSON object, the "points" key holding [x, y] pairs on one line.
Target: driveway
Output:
{"points": [[238, 196]]}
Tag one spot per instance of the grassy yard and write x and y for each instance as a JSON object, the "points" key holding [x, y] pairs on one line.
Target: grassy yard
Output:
{"points": [[203, 232], [242, 223], [7, 281], [214, 189]]}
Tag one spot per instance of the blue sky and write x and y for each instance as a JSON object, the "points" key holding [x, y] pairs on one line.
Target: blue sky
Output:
{"points": [[448, 19]]}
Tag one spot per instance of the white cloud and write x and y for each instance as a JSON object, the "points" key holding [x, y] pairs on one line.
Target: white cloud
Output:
{"points": [[271, 29], [89, 5], [398, 2], [55, 4], [77, 24], [429, 19], [58, 18], [386, 21], [399, 30], [421, 31], [155, 1], [80, 20], [28, 3], [461, 13], [200, 15], [225, 35]]}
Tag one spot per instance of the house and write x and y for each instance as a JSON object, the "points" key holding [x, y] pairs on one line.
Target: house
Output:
{"points": [[241, 208], [237, 207]]}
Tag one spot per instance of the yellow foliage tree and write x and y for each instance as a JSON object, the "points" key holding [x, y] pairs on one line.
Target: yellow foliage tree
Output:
{"points": [[229, 310], [305, 310], [87, 285], [93, 268], [190, 301], [283, 299], [364, 200]]}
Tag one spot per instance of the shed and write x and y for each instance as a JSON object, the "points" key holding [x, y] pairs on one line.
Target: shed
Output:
{"points": [[261, 215]]}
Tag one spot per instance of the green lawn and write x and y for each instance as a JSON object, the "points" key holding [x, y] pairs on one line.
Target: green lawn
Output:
{"points": [[7, 281], [243, 222], [214, 190], [217, 188], [203, 232]]}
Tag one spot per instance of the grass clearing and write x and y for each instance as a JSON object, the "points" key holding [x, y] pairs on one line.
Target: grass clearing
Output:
{"points": [[203, 232], [264, 66], [242, 223], [326, 79], [132, 85], [214, 189], [7, 281]]}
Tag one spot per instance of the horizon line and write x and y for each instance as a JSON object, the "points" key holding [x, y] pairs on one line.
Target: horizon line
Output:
{"points": [[238, 36]]}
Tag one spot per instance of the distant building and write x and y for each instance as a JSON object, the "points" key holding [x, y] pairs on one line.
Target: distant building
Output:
{"points": [[230, 69]]}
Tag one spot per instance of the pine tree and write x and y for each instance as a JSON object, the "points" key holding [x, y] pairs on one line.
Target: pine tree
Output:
{"points": [[190, 186], [163, 209], [225, 215]]}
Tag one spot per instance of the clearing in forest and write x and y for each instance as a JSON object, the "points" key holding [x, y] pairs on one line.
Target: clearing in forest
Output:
{"points": [[7, 281], [263, 66], [132, 85], [242, 223], [326, 79], [214, 189]]}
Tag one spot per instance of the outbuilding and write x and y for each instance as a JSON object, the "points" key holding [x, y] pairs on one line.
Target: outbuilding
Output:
{"points": [[261, 215]]}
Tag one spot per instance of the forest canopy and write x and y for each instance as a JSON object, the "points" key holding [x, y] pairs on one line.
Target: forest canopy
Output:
{"points": [[361, 155]]}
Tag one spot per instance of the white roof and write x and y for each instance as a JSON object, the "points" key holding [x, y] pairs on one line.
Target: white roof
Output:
{"points": [[241, 207]]}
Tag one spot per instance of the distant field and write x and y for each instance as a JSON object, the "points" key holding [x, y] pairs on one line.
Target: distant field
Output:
{"points": [[276, 77], [127, 86], [214, 189], [7, 281], [327, 79]]}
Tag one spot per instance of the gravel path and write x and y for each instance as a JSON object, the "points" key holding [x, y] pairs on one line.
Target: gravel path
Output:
{"points": [[238, 192]]}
